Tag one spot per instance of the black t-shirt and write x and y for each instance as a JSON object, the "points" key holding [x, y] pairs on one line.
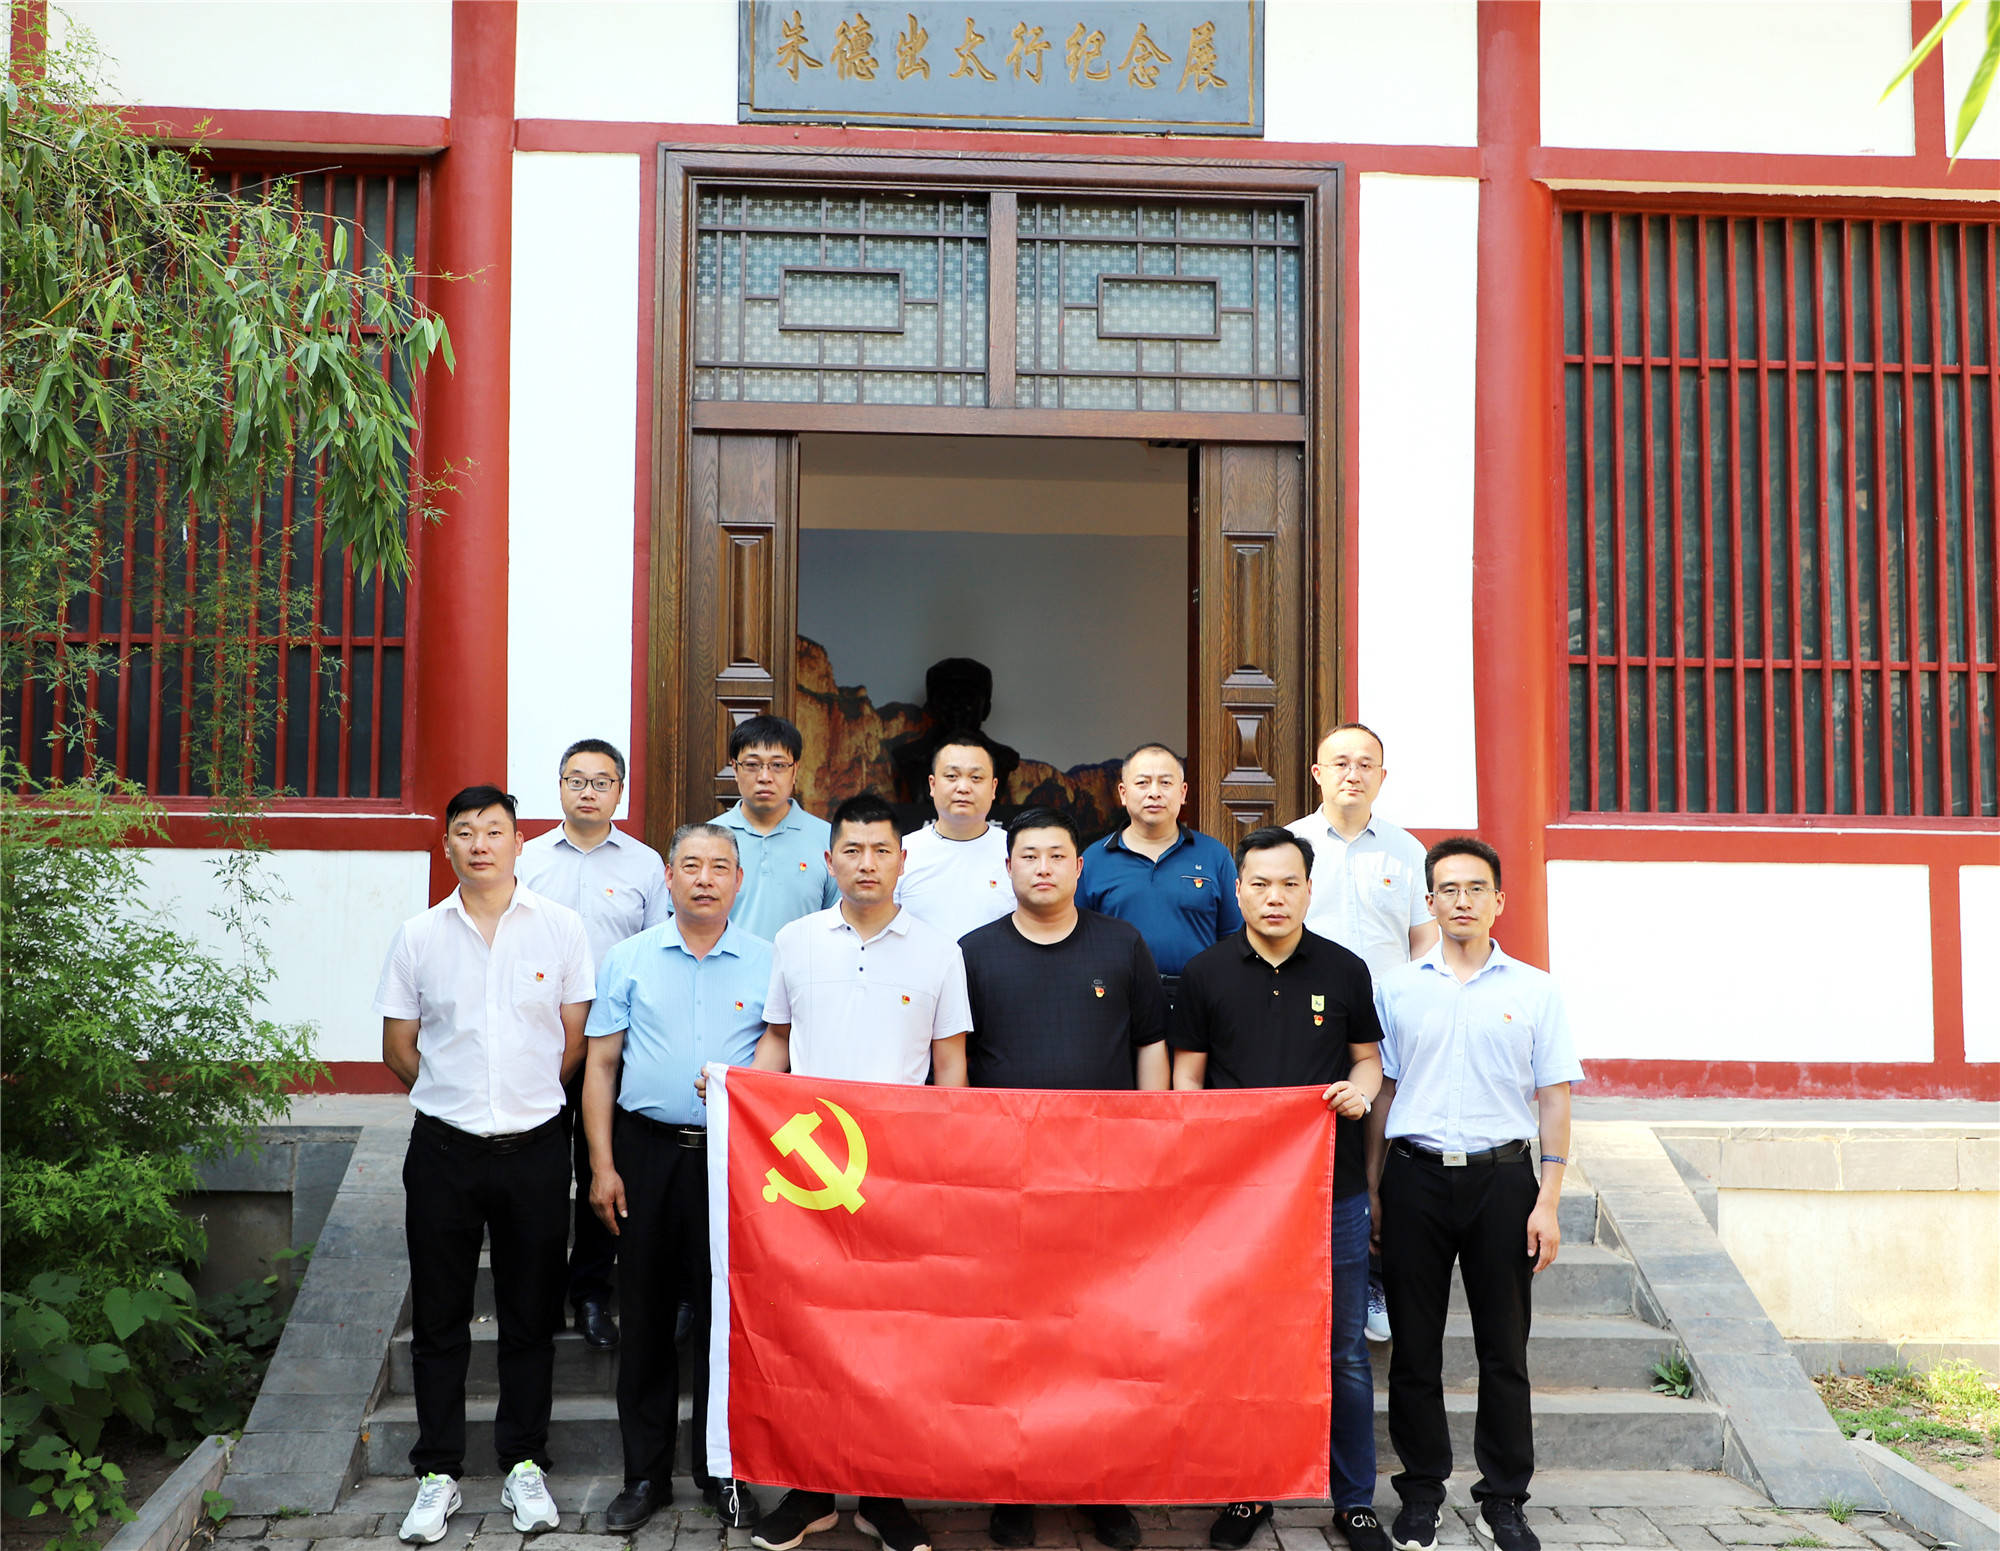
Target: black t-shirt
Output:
{"points": [[1068, 1014], [1282, 1027]]}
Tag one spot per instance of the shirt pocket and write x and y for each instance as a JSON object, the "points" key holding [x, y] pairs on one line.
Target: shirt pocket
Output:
{"points": [[918, 1003], [536, 987]]}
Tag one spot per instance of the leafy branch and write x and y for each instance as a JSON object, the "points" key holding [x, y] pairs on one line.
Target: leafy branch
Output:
{"points": [[1974, 101]]}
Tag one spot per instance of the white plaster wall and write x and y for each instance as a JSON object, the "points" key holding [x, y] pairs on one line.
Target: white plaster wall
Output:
{"points": [[337, 56], [1962, 47], [1413, 468], [327, 938], [1978, 932], [571, 450], [1743, 961], [649, 61], [1372, 72], [1726, 75]]}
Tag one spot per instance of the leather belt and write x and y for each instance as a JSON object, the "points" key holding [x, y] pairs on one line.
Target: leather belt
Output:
{"points": [[692, 1137], [512, 1141], [1506, 1152]]}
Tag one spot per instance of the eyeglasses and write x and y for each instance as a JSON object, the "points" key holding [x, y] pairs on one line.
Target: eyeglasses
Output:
{"points": [[756, 767], [1471, 893], [595, 783], [1358, 766]]}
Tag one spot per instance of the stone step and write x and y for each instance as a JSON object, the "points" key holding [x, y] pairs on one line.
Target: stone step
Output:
{"points": [[1586, 1279], [1574, 1430], [1585, 1351]]}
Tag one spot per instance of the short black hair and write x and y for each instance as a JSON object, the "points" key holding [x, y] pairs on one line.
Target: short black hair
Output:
{"points": [[689, 832], [1380, 747], [863, 808], [1151, 748], [766, 732], [592, 746], [1269, 838], [476, 799], [1460, 845], [967, 740], [1043, 818]]}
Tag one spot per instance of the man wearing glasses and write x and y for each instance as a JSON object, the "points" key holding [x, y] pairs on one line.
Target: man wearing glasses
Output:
{"points": [[618, 884], [784, 847], [1466, 1150]]}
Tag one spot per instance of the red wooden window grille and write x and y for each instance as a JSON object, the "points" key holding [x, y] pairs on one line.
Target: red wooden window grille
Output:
{"points": [[342, 715], [1782, 455]]}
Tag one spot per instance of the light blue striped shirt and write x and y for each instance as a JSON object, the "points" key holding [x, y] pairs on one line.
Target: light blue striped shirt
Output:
{"points": [[784, 872], [680, 1012], [1467, 1058]]}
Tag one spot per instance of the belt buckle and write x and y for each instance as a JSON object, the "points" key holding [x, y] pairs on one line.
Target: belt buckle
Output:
{"points": [[1453, 1160]]}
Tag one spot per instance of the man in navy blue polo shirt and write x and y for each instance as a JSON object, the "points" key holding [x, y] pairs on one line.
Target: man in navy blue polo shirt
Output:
{"points": [[1175, 884]]}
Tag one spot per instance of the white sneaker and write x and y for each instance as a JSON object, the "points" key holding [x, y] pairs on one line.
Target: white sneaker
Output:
{"points": [[437, 1500], [527, 1494], [1378, 1313]]}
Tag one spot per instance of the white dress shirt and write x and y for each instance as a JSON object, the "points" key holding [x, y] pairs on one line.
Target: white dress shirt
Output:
{"points": [[1368, 892], [490, 1035], [618, 886], [866, 1011], [955, 885], [1466, 1058]]}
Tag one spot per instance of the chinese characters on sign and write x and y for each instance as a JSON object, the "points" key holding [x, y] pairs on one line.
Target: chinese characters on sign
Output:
{"points": [[1188, 66]]}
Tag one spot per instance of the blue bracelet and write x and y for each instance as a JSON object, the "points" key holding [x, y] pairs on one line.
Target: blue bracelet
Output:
{"points": [[1549, 1157]]}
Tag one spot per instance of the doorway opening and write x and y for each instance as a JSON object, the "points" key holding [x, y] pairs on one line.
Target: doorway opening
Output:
{"points": [[1064, 565]]}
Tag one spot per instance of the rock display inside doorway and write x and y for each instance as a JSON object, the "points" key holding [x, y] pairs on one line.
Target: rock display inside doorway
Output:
{"points": [[849, 739]]}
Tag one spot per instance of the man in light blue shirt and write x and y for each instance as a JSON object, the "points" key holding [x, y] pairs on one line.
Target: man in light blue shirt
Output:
{"points": [[1477, 1064], [671, 999], [784, 847]]}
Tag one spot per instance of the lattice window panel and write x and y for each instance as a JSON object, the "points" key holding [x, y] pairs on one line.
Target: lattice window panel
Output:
{"points": [[1134, 304], [1783, 453], [840, 298], [342, 715]]}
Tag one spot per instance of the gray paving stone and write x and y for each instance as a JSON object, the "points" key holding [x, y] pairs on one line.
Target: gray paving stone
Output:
{"points": [[293, 1453], [329, 1376], [574, 1540], [1842, 1535], [1754, 1534], [354, 1340], [1301, 1538], [352, 1542], [276, 1412], [1691, 1537], [325, 1526], [1634, 1528], [1703, 1514], [244, 1527], [1894, 1540]]}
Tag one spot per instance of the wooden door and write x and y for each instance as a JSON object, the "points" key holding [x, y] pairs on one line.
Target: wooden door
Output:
{"points": [[739, 604], [1251, 699]]}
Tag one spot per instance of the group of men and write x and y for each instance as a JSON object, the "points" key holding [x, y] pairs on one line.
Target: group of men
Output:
{"points": [[555, 1013]]}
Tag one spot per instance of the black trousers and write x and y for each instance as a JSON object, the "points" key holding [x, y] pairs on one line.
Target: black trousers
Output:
{"points": [[662, 1263], [592, 1250], [458, 1190], [1478, 1216]]}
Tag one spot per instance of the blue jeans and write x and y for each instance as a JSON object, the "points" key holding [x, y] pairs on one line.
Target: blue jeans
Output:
{"points": [[1351, 1447]]}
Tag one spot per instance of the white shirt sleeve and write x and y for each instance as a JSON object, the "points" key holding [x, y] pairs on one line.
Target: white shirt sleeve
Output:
{"points": [[396, 991], [579, 975], [953, 1014], [1555, 1053], [1392, 1063], [778, 999]]}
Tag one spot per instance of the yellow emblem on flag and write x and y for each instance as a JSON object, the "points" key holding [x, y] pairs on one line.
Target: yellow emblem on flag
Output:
{"points": [[838, 1186]]}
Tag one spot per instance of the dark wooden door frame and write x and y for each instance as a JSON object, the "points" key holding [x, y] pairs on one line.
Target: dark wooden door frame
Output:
{"points": [[674, 791]]}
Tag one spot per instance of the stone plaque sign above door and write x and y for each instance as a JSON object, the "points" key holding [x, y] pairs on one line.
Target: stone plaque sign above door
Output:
{"points": [[1084, 66]]}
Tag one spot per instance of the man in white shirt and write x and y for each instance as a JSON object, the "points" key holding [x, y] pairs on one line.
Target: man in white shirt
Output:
{"points": [[1367, 886], [866, 993], [483, 1001], [955, 868], [618, 884]]}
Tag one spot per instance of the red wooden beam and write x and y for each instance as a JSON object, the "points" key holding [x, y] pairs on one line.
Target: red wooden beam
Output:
{"points": [[1515, 612], [461, 681]]}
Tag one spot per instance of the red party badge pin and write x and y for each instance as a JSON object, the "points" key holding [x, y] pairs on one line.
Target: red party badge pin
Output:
{"points": [[540, 976], [1097, 986], [906, 1001], [802, 866], [1318, 1019]]}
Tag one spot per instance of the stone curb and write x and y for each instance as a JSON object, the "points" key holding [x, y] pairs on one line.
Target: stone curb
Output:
{"points": [[172, 1512], [303, 1442], [1778, 1436], [1936, 1507]]}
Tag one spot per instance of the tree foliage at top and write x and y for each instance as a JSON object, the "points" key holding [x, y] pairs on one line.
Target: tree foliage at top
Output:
{"points": [[151, 320]]}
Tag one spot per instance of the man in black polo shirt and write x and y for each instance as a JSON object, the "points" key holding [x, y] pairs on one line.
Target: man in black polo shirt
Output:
{"points": [[1061, 998], [1275, 1006]]}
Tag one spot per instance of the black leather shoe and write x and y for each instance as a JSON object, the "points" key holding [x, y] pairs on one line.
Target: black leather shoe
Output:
{"points": [[1234, 1526], [594, 1320], [1011, 1524], [1114, 1526], [732, 1503], [635, 1505]]}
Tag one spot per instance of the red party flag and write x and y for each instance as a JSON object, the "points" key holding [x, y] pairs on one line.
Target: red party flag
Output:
{"points": [[996, 1295]]}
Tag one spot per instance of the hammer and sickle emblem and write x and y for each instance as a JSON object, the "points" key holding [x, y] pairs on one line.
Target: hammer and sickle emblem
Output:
{"points": [[838, 1187]]}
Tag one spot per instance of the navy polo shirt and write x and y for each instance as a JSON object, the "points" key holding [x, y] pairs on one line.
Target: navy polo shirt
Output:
{"points": [[1181, 903]]}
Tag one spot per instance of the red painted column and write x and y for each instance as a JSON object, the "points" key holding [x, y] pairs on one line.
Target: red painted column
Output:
{"points": [[1515, 613], [462, 579]]}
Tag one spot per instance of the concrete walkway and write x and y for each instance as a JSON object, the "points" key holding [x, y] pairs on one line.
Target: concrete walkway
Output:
{"points": [[1570, 1510]]}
